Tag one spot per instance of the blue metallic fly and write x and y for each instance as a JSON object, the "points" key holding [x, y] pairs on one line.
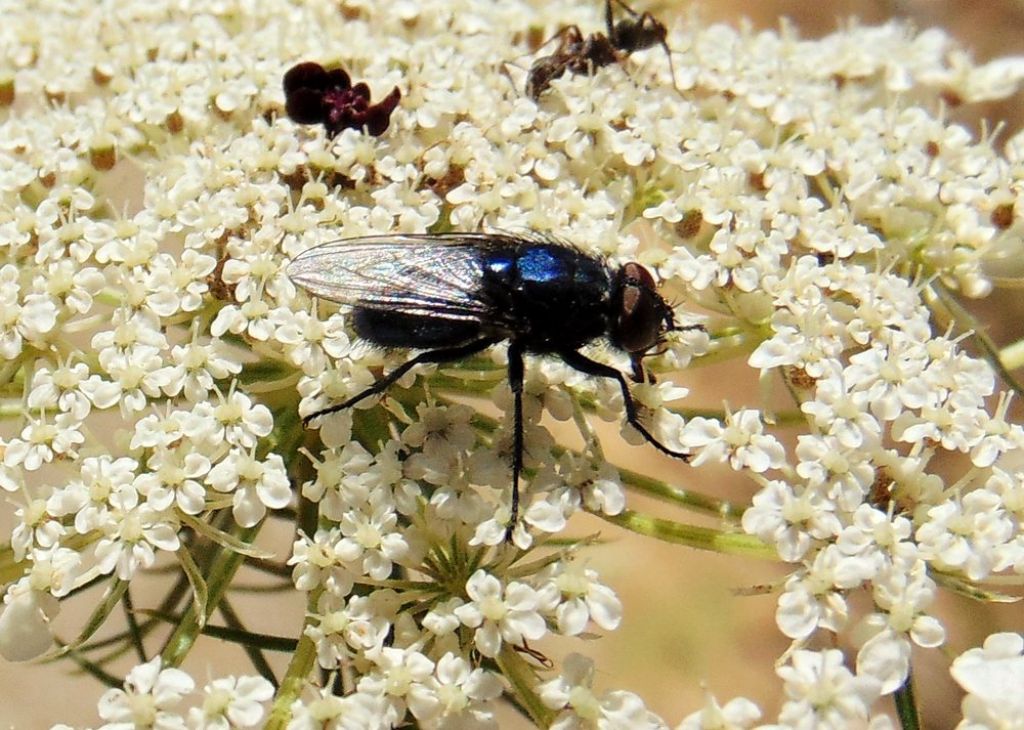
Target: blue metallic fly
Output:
{"points": [[453, 295]]}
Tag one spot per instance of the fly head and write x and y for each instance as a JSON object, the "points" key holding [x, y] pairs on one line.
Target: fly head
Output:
{"points": [[640, 316]]}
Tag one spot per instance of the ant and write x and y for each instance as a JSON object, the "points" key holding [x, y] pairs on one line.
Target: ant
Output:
{"points": [[578, 55]]}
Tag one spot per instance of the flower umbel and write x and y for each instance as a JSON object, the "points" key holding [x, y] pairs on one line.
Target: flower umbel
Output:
{"points": [[809, 203]]}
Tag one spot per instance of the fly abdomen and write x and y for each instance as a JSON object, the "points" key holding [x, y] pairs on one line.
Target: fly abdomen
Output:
{"points": [[389, 328]]}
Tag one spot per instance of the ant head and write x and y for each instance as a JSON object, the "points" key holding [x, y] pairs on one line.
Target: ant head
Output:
{"points": [[651, 31], [636, 34]]}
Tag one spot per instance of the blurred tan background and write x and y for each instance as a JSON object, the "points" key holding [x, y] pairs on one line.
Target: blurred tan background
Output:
{"points": [[683, 623]]}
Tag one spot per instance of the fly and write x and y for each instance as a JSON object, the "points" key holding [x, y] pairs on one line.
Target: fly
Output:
{"points": [[577, 54], [453, 295]]}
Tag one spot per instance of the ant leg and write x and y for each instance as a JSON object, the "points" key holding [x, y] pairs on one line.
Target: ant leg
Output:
{"points": [[621, 4], [671, 66], [585, 365], [569, 35], [515, 382], [446, 354]]}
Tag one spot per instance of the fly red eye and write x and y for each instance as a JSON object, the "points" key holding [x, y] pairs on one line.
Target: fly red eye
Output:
{"points": [[640, 315]]}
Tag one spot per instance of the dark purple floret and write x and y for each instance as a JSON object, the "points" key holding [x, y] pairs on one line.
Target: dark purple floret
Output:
{"points": [[314, 95]]}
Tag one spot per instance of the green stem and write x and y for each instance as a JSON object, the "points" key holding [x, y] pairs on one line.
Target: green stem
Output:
{"points": [[298, 671], [218, 579], [685, 498], [702, 538], [906, 707], [518, 673]]}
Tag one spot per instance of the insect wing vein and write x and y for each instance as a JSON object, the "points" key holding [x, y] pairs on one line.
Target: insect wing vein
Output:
{"points": [[420, 275]]}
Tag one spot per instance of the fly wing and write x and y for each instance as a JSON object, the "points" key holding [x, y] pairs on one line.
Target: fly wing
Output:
{"points": [[429, 275]]}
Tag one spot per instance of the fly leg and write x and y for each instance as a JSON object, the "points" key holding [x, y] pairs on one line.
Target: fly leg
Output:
{"points": [[599, 370], [445, 354], [515, 382]]}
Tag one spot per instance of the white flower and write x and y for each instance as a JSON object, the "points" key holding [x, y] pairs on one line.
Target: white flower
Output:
{"points": [[136, 372], [572, 484], [29, 319], [841, 413], [500, 614], [345, 629], [87, 498], [844, 474], [579, 597], [311, 340], [457, 694], [372, 534], [148, 699], [35, 527], [174, 477], [1000, 435], [178, 284], [741, 441], [346, 478], [356, 711], [61, 388], [441, 619], [823, 693], [572, 694], [889, 377], [878, 536], [197, 367], [56, 571], [255, 485], [325, 560], [132, 535], [736, 714], [902, 592], [441, 432], [40, 441], [251, 318], [992, 677], [164, 431], [965, 533], [815, 597], [232, 702], [395, 673], [238, 420], [791, 519]]}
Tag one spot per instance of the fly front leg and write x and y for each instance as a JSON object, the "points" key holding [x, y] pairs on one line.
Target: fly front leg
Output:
{"points": [[600, 370]]}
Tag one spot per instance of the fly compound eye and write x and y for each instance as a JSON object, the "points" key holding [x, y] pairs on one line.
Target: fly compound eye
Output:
{"points": [[639, 311]]}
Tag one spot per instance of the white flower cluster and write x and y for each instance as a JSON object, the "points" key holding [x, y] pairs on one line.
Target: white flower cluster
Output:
{"points": [[154, 696], [808, 196]]}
